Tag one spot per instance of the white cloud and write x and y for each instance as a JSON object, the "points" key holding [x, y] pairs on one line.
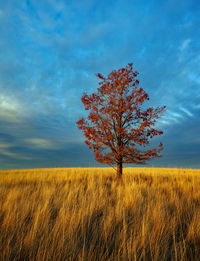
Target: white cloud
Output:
{"points": [[185, 44], [183, 50], [186, 111], [11, 109], [4, 145], [176, 115], [6, 103], [171, 117], [6, 152], [40, 143]]}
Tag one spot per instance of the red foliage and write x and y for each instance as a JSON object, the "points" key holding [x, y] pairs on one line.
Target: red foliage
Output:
{"points": [[117, 129]]}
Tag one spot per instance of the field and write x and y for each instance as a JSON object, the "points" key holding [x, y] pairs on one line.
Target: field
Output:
{"points": [[86, 214]]}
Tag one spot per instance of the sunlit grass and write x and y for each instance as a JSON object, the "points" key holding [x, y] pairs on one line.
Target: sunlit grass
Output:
{"points": [[87, 214]]}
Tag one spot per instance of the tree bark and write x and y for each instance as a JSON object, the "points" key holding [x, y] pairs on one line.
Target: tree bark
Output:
{"points": [[119, 169]]}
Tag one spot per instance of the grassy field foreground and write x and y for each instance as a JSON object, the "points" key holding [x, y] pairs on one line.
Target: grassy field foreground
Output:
{"points": [[86, 214]]}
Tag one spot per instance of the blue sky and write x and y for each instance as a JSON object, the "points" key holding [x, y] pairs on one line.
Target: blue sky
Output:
{"points": [[50, 52]]}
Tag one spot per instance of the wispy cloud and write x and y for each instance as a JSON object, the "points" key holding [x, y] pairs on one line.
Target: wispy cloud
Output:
{"points": [[40, 143], [6, 152], [187, 112], [11, 109], [5, 145], [185, 44]]}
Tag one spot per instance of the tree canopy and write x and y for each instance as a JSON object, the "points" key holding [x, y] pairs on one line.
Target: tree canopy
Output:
{"points": [[117, 129]]}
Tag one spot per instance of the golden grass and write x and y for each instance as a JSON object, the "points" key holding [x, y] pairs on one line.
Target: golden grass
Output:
{"points": [[86, 214]]}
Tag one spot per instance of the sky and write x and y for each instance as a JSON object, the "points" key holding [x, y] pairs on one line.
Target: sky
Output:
{"points": [[50, 52]]}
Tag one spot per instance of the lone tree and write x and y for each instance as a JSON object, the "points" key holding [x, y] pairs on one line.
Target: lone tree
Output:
{"points": [[117, 129]]}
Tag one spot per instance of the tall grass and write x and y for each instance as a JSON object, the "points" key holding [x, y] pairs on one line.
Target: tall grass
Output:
{"points": [[86, 214]]}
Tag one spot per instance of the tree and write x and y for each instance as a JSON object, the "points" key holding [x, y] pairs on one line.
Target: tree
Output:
{"points": [[117, 129]]}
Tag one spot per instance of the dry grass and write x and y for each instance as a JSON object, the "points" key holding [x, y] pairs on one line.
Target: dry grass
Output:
{"points": [[85, 214]]}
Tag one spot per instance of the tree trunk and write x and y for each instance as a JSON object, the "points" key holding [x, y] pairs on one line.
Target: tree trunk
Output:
{"points": [[119, 169]]}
